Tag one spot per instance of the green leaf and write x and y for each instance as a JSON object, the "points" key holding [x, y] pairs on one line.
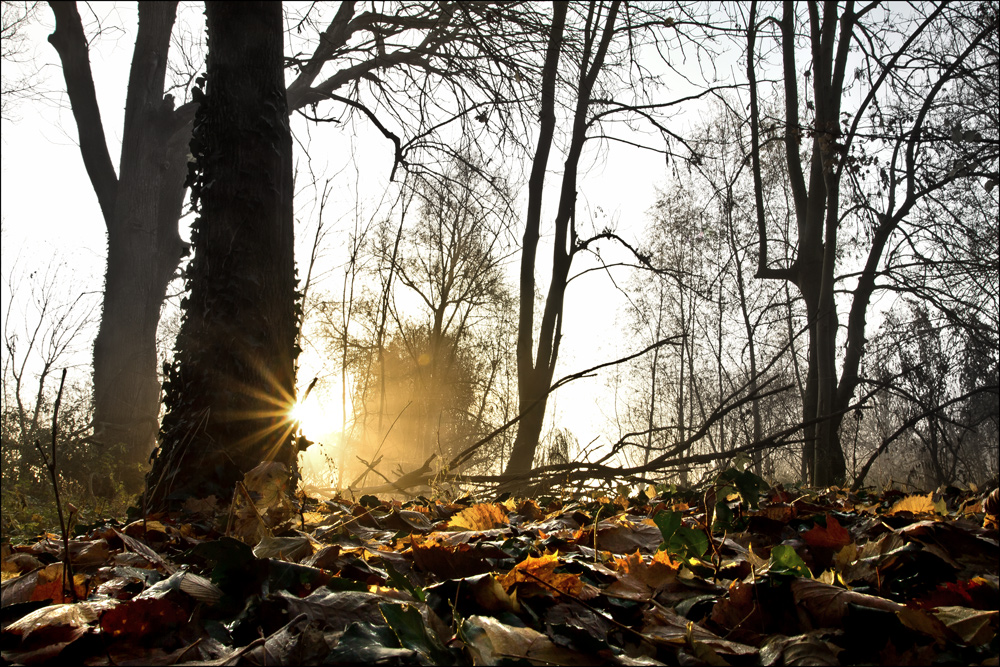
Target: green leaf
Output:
{"points": [[784, 560], [363, 643], [723, 516], [750, 487], [408, 626], [668, 523], [688, 542], [400, 581]]}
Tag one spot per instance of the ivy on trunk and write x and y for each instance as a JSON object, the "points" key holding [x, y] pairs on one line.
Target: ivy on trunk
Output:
{"points": [[231, 385]]}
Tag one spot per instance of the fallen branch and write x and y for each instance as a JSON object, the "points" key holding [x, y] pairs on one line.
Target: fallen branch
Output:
{"points": [[467, 453]]}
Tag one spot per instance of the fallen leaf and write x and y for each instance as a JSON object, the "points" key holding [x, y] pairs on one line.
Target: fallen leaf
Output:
{"points": [[535, 570], [668, 626], [490, 641], [805, 650], [833, 535], [479, 517], [975, 627], [917, 504], [826, 606], [137, 619]]}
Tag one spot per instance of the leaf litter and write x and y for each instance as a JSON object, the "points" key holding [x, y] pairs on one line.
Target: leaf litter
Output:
{"points": [[782, 577]]}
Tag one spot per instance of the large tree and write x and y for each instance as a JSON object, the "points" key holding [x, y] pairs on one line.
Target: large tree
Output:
{"points": [[140, 209], [232, 384]]}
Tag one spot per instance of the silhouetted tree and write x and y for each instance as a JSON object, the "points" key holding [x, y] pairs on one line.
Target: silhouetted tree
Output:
{"points": [[231, 385]]}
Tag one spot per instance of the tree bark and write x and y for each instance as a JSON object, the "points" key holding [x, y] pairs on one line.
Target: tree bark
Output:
{"points": [[528, 390], [232, 383]]}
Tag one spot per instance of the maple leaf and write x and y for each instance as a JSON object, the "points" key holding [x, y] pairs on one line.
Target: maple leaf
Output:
{"points": [[833, 535], [638, 580], [542, 572], [918, 504]]}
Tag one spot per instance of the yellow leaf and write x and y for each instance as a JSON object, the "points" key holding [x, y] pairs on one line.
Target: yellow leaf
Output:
{"points": [[918, 504], [484, 516]]}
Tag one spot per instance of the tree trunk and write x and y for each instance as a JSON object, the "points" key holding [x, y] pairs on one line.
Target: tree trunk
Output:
{"points": [[140, 212], [534, 371], [232, 383], [532, 394]]}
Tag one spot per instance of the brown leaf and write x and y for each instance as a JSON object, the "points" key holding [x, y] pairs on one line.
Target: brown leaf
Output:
{"points": [[801, 650], [639, 580], [975, 627], [991, 505], [488, 594], [49, 585], [491, 641], [137, 619], [58, 616], [201, 507], [534, 570], [927, 624], [670, 627], [448, 561], [293, 549], [953, 544], [826, 606], [42, 635], [19, 563], [336, 609], [622, 537], [783, 513]]}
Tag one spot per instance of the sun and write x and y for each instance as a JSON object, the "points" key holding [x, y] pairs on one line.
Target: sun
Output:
{"points": [[315, 421]]}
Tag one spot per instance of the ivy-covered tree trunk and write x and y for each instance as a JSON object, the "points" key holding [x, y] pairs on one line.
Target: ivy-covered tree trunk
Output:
{"points": [[232, 383]]}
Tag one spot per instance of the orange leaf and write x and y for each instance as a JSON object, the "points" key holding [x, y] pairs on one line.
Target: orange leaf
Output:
{"points": [[541, 571], [833, 535]]}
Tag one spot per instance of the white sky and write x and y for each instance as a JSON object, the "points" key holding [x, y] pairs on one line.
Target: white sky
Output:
{"points": [[49, 210]]}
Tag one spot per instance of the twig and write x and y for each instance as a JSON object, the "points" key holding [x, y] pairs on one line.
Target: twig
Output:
{"points": [[50, 464]]}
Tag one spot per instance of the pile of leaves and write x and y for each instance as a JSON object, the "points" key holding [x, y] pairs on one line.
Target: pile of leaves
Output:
{"points": [[738, 574]]}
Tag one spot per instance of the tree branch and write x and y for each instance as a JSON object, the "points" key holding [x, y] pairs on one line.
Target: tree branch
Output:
{"points": [[71, 45]]}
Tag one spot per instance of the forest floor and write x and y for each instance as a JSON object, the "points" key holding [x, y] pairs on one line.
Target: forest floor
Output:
{"points": [[786, 576]]}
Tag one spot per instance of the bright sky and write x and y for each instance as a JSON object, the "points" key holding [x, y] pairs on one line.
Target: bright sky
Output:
{"points": [[51, 213]]}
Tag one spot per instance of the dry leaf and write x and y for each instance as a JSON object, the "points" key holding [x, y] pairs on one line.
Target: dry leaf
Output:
{"points": [[833, 536], [918, 504], [484, 516]]}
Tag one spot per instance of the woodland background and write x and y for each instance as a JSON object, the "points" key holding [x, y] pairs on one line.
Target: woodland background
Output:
{"points": [[813, 283]]}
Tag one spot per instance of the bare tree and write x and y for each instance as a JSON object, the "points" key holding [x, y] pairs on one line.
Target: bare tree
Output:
{"points": [[590, 50], [42, 330], [13, 44], [868, 166]]}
